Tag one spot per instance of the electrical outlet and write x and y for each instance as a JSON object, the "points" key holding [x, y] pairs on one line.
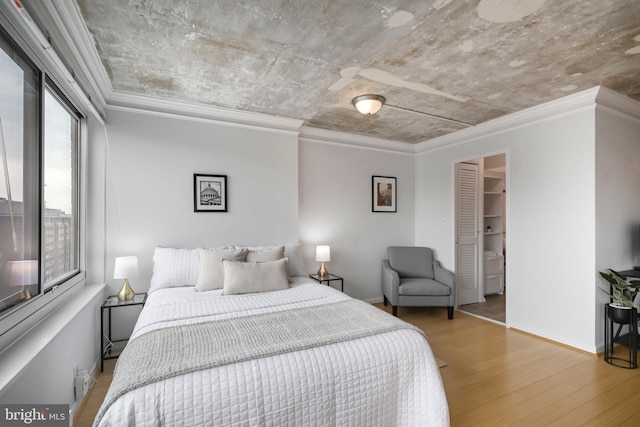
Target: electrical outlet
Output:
{"points": [[81, 383], [78, 387]]}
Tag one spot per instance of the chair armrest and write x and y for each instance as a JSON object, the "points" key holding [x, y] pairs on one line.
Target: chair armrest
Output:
{"points": [[390, 282], [443, 275]]}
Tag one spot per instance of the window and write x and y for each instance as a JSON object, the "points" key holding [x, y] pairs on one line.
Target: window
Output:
{"points": [[39, 182], [60, 241]]}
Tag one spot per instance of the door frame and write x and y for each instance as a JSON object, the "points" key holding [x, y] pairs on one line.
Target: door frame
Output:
{"points": [[507, 217]]}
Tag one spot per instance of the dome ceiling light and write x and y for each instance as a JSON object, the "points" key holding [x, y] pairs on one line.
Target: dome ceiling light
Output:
{"points": [[368, 104]]}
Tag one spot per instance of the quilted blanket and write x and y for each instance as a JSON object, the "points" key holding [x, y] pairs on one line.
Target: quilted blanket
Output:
{"points": [[388, 378], [213, 344]]}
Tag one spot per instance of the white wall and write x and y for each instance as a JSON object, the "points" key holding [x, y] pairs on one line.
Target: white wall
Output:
{"points": [[550, 219], [617, 198], [335, 209], [150, 167], [66, 339]]}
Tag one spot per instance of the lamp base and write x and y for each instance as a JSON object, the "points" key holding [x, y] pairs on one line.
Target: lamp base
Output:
{"points": [[26, 295], [323, 272], [126, 293]]}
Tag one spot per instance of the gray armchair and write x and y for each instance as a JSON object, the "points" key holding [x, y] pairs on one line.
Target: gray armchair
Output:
{"points": [[411, 277]]}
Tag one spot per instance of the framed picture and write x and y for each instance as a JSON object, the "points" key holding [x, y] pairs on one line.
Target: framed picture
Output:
{"points": [[383, 194], [209, 193]]}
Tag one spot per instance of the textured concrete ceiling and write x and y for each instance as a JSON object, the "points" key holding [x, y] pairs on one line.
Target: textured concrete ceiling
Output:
{"points": [[470, 61]]}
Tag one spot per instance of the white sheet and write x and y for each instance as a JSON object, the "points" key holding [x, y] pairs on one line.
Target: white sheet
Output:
{"points": [[390, 379]]}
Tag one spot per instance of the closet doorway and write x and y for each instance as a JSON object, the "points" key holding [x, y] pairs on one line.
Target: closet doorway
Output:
{"points": [[481, 215]]}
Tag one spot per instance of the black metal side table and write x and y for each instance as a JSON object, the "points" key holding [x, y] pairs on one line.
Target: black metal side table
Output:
{"points": [[328, 279], [621, 317], [110, 348]]}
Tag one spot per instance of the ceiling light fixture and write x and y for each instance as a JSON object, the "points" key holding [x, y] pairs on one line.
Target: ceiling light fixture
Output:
{"points": [[368, 104]]}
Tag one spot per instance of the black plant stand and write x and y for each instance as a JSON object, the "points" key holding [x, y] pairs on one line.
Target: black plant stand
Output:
{"points": [[629, 340]]}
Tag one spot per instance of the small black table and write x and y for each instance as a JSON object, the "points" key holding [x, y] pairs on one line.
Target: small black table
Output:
{"points": [[328, 279], [631, 339], [110, 348], [627, 317]]}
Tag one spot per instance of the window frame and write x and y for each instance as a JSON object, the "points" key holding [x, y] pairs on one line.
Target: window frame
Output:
{"points": [[68, 105], [18, 320]]}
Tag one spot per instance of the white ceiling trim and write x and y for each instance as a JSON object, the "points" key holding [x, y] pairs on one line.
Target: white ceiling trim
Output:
{"points": [[570, 103], [71, 25], [333, 137], [161, 106], [618, 103], [45, 46]]}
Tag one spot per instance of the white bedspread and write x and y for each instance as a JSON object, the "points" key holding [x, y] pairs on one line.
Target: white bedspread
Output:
{"points": [[389, 379]]}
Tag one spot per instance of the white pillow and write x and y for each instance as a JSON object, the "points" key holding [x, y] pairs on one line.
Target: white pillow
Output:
{"points": [[211, 274], [251, 277], [262, 255], [174, 268], [295, 264]]}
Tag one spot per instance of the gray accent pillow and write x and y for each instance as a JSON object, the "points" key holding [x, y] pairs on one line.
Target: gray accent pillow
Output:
{"points": [[252, 277], [263, 255], [295, 265], [211, 274]]}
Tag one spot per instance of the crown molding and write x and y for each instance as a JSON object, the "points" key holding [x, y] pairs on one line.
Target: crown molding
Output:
{"points": [[567, 104], [596, 97], [64, 19], [47, 40], [619, 103], [162, 106], [333, 137], [77, 35]]}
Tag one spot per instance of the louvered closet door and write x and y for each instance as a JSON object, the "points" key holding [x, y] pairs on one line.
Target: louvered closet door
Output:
{"points": [[467, 217]]}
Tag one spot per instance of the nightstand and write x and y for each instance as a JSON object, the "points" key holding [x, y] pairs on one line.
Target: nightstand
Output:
{"points": [[328, 279], [110, 348]]}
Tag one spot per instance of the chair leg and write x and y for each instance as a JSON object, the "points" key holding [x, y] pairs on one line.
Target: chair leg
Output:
{"points": [[385, 301], [394, 310], [450, 312]]}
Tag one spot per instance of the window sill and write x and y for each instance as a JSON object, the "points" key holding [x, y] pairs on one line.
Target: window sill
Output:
{"points": [[16, 359]]}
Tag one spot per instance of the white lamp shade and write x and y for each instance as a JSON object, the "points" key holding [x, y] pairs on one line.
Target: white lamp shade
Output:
{"points": [[126, 267], [323, 253], [23, 273]]}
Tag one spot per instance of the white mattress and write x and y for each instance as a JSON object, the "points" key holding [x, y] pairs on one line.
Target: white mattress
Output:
{"points": [[390, 379]]}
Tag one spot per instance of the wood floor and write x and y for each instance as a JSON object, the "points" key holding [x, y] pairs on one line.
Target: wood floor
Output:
{"points": [[498, 377]]}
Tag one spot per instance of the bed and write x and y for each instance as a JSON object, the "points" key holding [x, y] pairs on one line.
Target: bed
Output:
{"points": [[302, 354]]}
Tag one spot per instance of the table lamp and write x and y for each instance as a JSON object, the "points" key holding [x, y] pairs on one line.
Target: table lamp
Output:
{"points": [[126, 267], [323, 254]]}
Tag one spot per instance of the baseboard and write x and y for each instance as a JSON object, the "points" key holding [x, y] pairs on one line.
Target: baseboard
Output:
{"points": [[579, 350]]}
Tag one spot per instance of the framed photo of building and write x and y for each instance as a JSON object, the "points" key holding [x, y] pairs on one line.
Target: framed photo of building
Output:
{"points": [[384, 194], [210, 193]]}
